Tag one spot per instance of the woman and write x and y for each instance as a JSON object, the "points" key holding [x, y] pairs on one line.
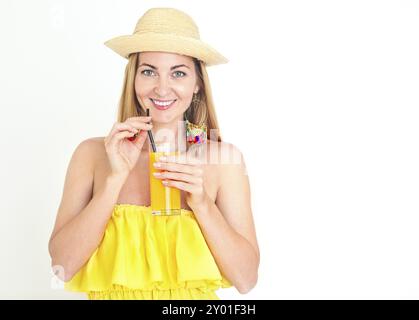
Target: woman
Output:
{"points": [[105, 241]]}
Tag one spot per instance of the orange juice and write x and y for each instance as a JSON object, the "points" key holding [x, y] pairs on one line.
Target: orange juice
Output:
{"points": [[164, 200]]}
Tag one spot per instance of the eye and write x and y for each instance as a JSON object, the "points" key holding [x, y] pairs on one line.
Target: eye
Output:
{"points": [[176, 73], [184, 74], [147, 72]]}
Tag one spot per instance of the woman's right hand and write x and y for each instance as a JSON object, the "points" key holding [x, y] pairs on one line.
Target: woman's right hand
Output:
{"points": [[122, 153]]}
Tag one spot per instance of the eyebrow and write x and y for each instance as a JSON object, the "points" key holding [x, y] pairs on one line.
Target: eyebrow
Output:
{"points": [[155, 68]]}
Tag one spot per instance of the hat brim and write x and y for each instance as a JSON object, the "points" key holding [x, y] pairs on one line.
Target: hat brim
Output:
{"points": [[125, 45]]}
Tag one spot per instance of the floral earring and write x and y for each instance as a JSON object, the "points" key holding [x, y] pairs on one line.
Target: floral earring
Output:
{"points": [[195, 134]]}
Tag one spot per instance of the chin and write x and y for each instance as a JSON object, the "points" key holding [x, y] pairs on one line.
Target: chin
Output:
{"points": [[160, 117], [163, 120]]}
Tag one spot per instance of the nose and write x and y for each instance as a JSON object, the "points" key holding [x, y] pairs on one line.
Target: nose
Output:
{"points": [[162, 87]]}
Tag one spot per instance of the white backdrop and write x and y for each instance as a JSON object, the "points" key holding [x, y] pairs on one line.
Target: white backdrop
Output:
{"points": [[320, 96]]}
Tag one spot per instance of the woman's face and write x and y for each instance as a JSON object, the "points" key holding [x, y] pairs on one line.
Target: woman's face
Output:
{"points": [[165, 83]]}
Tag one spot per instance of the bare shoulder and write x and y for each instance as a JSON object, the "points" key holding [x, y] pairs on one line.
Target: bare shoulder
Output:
{"points": [[226, 162], [89, 152], [225, 153], [95, 143], [93, 147], [79, 181]]}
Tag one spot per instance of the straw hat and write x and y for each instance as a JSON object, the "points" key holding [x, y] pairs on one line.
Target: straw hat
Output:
{"points": [[167, 30]]}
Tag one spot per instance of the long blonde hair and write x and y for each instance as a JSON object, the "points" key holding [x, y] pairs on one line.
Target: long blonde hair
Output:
{"points": [[202, 112]]}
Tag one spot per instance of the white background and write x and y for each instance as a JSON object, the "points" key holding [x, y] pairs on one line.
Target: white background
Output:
{"points": [[320, 96]]}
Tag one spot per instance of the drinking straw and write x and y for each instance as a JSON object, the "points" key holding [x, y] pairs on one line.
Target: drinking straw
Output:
{"points": [[150, 135]]}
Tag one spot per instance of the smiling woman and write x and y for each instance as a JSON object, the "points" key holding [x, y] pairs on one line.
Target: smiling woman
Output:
{"points": [[105, 241], [159, 103], [166, 81], [163, 81]]}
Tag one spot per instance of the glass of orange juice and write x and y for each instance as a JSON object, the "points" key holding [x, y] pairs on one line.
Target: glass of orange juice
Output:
{"points": [[164, 200]]}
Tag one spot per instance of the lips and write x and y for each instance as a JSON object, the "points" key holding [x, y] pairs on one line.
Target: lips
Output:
{"points": [[163, 104]]}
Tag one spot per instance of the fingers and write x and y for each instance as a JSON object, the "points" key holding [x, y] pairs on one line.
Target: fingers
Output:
{"points": [[119, 126], [133, 124], [140, 126], [141, 119], [177, 167], [139, 123], [139, 139], [112, 142], [194, 179], [193, 189], [182, 159]]}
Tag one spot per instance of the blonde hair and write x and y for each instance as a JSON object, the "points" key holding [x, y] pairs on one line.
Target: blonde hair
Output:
{"points": [[202, 112]]}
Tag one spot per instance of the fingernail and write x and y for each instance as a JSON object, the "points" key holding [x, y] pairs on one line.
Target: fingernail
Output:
{"points": [[162, 158], [157, 174], [157, 164]]}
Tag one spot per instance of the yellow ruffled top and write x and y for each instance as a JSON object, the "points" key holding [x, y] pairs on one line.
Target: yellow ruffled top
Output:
{"points": [[143, 256]]}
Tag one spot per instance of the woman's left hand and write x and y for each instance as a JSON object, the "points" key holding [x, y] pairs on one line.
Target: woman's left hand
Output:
{"points": [[184, 173]]}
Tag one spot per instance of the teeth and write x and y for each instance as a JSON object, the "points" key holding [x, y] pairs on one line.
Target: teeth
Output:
{"points": [[163, 104]]}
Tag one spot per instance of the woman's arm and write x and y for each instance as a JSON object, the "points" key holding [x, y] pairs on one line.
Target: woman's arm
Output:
{"points": [[81, 220], [228, 224]]}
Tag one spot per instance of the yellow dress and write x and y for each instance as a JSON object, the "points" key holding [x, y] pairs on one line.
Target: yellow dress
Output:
{"points": [[143, 256]]}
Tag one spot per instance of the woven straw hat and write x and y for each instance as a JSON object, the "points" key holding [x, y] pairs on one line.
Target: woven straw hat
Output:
{"points": [[166, 30]]}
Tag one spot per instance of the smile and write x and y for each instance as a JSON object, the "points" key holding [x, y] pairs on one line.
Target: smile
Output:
{"points": [[163, 105]]}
